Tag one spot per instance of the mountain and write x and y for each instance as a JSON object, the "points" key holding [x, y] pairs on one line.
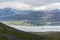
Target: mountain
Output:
{"points": [[13, 14], [50, 15], [9, 33], [51, 12], [8, 12]]}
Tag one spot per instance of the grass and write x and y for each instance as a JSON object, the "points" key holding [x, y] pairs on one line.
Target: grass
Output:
{"points": [[4, 29], [3, 38], [49, 35]]}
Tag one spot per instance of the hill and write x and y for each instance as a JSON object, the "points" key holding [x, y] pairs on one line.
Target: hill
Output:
{"points": [[49, 35], [8, 33]]}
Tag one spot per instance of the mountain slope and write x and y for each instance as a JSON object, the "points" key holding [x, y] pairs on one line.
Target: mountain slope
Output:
{"points": [[7, 31], [9, 14], [13, 14], [49, 35]]}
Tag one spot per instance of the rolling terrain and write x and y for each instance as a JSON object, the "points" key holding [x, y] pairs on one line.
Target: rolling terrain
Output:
{"points": [[30, 17], [8, 33]]}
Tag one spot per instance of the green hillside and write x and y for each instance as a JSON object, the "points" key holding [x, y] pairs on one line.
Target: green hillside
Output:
{"points": [[49, 35], [6, 30], [8, 33]]}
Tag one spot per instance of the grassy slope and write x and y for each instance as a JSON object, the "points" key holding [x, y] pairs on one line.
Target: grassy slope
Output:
{"points": [[49, 35], [4, 29]]}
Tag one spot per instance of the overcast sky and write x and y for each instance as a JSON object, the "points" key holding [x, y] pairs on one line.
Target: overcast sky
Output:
{"points": [[34, 2], [30, 4]]}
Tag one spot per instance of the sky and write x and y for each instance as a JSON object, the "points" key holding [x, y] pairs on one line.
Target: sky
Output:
{"points": [[27, 4], [33, 2]]}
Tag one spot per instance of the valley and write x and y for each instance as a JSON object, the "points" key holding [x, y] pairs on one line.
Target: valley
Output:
{"points": [[28, 20]]}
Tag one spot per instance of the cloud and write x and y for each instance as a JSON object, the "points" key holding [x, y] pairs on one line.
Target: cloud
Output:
{"points": [[15, 5], [33, 2], [27, 4], [49, 6], [39, 2]]}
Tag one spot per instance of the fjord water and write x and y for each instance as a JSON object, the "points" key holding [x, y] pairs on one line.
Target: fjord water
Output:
{"points": [[36, 28]]}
